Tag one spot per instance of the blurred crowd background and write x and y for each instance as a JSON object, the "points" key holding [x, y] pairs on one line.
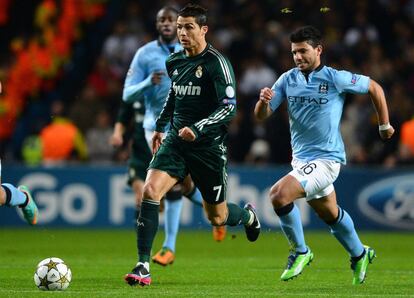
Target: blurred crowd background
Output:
{"points": [[63, 64]]}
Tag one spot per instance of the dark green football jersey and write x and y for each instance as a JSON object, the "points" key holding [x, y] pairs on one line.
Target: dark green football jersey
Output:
{"points": [[141, 153], [202, 95]]}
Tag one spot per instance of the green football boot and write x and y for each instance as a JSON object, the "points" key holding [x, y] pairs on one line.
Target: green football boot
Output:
{"points": [[30, 210], [296, 263], [360, 267]]}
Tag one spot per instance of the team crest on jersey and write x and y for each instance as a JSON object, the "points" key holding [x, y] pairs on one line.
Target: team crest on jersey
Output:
{"points": [[199, 72], [323, 88], [354, 79]]}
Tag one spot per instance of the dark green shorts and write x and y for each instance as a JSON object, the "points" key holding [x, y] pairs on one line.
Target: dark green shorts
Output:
{"points": [[206, 164], [138, 163]]}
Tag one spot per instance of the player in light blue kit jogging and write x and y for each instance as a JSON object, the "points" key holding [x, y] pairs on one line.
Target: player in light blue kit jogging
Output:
{"points": [[315, 96], [147, 81]]}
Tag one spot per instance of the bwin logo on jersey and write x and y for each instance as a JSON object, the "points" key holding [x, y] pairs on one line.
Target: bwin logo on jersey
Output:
{"points": [[323, 88], [186, 90]]}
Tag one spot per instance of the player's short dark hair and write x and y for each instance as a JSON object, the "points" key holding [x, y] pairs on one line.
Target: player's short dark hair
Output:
{"points": [[198, 12], [309, 34], [169, 8]]}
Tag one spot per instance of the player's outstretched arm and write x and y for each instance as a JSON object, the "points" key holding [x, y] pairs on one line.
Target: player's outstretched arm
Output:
{"points": [[262, 109], [378, 99]]}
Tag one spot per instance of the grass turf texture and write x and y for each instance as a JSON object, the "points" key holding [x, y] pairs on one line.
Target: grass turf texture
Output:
{"points": [[100, 258]]}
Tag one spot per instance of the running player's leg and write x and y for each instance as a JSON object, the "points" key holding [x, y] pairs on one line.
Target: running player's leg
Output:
{"points": [[341, 224], [191, 192], [223, 213], [282, 195], [138, 189], [208, 168], [156, 186], [312, 180], [173, 204], [137, 185], [19, 197], [137, 171], [165, 170], [342, 227]]}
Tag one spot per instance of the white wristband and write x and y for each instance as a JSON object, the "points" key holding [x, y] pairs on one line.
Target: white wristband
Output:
{"points": [[383, 127]]}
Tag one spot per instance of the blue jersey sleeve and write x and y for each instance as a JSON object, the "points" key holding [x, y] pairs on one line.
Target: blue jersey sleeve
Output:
{"points": [[137, 80], [348, 82], [279, 90]]}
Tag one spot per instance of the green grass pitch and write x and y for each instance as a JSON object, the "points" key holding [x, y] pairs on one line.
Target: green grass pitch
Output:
{"points": [[233, 268]]}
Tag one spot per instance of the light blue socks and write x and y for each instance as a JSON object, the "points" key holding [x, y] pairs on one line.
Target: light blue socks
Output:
{"points": [[172, 222], [344, 231], [291, 225], [14, 197]]}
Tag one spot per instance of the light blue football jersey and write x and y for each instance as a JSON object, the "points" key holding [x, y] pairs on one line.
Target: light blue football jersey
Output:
{"points": [[149, 58], [315, 109]]}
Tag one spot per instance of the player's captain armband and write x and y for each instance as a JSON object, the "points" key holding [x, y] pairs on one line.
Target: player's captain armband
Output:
{"points": [[229, 101]]}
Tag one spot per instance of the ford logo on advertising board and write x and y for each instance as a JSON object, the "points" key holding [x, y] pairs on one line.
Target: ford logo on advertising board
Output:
{"points": [[390, 201]]}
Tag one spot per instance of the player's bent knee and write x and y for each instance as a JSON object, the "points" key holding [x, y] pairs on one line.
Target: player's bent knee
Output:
{"points": [[152, 193], [278, 197]]}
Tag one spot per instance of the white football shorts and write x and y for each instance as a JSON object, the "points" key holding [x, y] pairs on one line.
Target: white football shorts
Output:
{"points": [[316, 177]]}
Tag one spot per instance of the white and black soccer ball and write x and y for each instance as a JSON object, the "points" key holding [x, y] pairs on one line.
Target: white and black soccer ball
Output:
{"points": [[52, 274]]}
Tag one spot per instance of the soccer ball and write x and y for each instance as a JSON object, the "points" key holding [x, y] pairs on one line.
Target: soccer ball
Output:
{"points": [[52, 274]]}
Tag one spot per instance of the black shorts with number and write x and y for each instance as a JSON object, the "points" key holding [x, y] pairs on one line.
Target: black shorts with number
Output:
{"points": [[207, 165]]}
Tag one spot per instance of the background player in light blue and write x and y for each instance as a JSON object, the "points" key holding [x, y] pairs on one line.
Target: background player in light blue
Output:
{"points": [[315, 97], [147, 81]]}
